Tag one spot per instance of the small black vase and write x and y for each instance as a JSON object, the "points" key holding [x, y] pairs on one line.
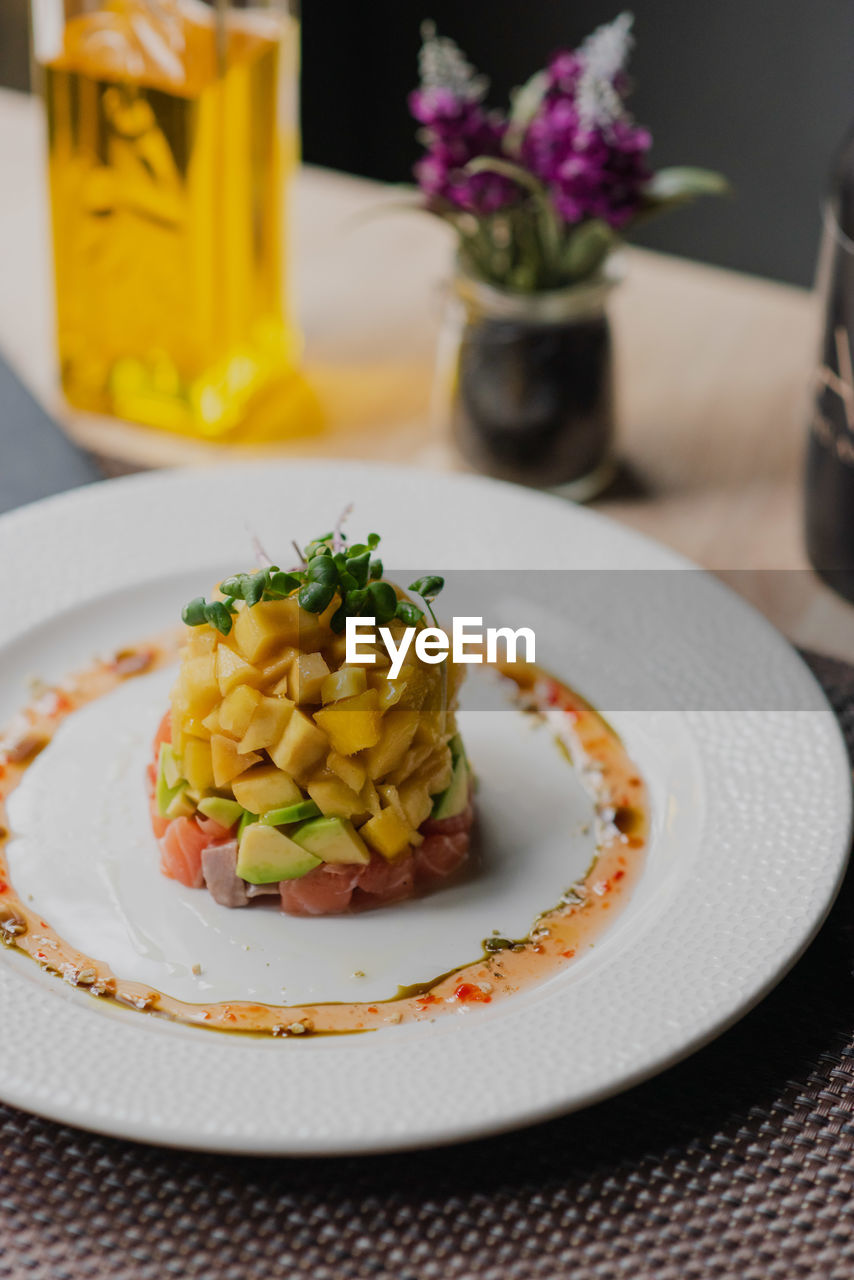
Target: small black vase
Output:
{"points": [[532, 388]]}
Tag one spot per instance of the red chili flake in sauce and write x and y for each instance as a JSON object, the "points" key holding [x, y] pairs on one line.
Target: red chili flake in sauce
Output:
{"points": [[4, 888], [429, 998], [618, 875], [470, 993], [62, 703], [568, 954], [372, 1008]]}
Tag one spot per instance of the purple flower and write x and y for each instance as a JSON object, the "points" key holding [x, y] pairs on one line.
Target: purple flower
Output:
{"points": [[457, 128], [455, 134], [564, 72], [582, 143], [591, 172]]}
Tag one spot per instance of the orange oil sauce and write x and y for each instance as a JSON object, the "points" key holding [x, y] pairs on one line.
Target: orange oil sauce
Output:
{"points": [[558, 938]]}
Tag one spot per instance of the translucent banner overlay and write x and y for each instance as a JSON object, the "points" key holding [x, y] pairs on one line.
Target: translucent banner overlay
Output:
{"points": [[634, 640]]}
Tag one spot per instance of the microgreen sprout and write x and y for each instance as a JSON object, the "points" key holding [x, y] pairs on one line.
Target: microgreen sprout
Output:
{"points": [[428, 588], [328, 570]]}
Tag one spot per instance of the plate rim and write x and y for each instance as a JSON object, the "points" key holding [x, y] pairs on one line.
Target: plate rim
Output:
{"points": [[75, 1113]]}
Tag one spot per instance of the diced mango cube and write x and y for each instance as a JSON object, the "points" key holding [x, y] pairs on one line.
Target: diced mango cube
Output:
{"points": [[264, 788], [198, 685], [237, 709], [347, 682], [313, 629], [307, 673], [336, 653], [201, 640], [391, 799], [371, 798], [197, 764], [347, 769], [398, 730], [301, 745], [387, 833], [211, 721], [265, 627], [353, 723], [278, 665], [417, 802], [334, 797], [267, 724], [227, 761], [390, 691], [411, 762], [232, 670], [437, 770]]}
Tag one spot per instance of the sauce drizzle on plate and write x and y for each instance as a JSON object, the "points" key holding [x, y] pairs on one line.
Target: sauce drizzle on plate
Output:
{"points": [[558, 938]]}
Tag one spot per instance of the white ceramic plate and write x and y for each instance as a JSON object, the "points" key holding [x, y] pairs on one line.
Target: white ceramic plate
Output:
{"points": [[747, 771]]}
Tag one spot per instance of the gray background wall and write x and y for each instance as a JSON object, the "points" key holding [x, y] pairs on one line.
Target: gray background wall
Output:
{"points": [[761, 89]]}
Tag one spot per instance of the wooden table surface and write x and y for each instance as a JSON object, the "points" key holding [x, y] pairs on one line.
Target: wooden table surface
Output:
{"points": [[714, 371]]}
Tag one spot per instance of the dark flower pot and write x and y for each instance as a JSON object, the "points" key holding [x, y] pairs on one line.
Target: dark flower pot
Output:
{"points": [[532, 397]]}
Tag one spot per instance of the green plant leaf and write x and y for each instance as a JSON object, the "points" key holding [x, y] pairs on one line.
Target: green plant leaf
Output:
{"points": [[685, 183], [587, 247], [525, 103]]}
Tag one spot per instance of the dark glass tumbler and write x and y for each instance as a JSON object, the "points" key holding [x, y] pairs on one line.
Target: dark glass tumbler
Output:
{"points": [[532, 386]]}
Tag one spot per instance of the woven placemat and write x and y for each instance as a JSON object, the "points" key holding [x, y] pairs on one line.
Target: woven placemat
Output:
{"points": [[738, 1163]]}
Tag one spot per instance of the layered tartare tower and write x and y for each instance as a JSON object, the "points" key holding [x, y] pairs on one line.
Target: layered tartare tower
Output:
{"points": [[284, 771]]}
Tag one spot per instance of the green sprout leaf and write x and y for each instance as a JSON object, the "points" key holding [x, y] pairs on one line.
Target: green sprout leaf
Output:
{"points": [[409, 613], [383, 601], [218, 616], [194, 612]]}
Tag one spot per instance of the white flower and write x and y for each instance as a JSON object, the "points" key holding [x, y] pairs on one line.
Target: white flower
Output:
{"points": [[603, 56], [443, 65]]}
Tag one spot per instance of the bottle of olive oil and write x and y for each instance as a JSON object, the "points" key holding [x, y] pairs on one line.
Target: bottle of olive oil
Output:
{"points": [[830, 452], [172, 133]]}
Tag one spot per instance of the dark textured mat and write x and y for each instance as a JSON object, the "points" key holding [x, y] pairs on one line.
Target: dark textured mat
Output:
{"points": [[738, 1163]]}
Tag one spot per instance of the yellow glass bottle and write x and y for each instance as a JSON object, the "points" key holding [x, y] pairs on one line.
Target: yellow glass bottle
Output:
{"points": [[172, 131]]}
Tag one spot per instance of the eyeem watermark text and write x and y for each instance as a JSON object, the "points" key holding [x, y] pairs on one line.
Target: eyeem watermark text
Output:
{"points": [[468, 642]]}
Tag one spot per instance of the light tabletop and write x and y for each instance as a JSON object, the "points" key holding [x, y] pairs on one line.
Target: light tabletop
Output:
{"points": [[714, 374]]}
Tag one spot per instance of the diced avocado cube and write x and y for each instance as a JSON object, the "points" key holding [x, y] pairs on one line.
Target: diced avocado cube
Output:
{"points": [[225, 812], [164, 794], [180, 806], [333, 840], [266, 855], [455, 797], [171, 764], [290, 813], [245, 822]]}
